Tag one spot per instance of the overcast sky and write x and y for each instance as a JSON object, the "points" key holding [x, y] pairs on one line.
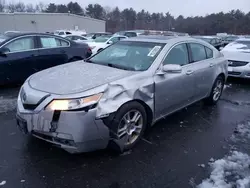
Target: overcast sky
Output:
{"points": [[175, 7]]}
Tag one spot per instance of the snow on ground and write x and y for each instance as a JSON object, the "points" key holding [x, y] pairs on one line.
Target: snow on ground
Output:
{"points": [[232, 171], [242, 133], [7, 104], [229, 172]]}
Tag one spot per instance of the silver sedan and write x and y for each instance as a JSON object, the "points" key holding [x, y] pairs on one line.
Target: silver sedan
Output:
{"points": [[238, 55], [111, 98]]}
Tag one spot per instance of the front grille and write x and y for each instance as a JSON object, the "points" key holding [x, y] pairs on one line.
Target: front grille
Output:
{"points": [[30, 106], [33, 106], [234, 73], [236, 63]]}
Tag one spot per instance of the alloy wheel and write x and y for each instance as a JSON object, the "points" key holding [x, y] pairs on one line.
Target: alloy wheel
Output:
{"points": [[131, 126]]}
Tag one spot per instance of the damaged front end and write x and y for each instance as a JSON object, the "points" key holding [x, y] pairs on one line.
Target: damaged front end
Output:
{"points": [[118, 93]]}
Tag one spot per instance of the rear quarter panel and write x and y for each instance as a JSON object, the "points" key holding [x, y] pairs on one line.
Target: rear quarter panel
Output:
{"points": [[221, 64], [78, 50]]}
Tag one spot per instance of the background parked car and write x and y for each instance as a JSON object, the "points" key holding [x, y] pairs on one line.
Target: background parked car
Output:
{"points": [[98, 34], [102, 42], [230, 38], [24, 54], [213, 40], [238, 55], [77, 38], [64, 33], [132, 33]]}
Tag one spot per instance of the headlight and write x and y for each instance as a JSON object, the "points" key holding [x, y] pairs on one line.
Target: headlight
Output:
{"points": [[72, 104]]}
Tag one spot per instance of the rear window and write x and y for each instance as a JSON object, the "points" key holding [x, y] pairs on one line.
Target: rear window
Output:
{"points": [[209, 53]]}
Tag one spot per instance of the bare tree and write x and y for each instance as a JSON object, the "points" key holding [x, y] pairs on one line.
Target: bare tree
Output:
{"points": [[20, 7], [40, 7], [2, 5], [11, 7], [30, 8]]}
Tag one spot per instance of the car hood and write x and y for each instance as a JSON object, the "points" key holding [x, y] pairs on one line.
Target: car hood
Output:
{"points": [[236, 56], [75, 77]]}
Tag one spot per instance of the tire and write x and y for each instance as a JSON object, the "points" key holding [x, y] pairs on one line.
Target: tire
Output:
{"points": [[134, 130], [216, 91]]}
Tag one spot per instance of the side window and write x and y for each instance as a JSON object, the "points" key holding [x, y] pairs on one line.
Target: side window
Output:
{"points": [[114, 39], [130, 34], [178, 55], [51, 42], [21, 44], [198, 52], [120, 38], [68, 33], [209, 53], [61, 33]]}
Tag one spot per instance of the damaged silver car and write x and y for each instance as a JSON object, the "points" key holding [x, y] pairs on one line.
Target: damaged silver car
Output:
{"points": [[112, 97]]}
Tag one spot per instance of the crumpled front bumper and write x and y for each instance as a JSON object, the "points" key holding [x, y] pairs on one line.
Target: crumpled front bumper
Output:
{"points": [[74, 131]]}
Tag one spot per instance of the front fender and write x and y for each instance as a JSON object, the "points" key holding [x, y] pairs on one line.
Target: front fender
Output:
{"points": [[118, 93]]}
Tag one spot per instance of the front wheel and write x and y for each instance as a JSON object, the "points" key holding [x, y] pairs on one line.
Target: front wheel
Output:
{"points": [[130, 122], [216, 92]]}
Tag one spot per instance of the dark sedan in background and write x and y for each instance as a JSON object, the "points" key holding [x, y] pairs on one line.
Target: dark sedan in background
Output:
{"points": [[22, 54], [213, 40]]}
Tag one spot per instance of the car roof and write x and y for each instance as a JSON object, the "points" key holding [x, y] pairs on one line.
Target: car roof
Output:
{"points": [[154, 38], [14, 35]]}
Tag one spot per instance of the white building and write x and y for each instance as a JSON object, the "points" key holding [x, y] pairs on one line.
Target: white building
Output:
{"points": [[48, 22]]}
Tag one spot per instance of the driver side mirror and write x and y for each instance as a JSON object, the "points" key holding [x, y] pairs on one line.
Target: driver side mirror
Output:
{"points": [[3, 51], [220, 48], [172, 68]]}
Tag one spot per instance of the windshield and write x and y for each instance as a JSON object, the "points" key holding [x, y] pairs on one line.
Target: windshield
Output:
{"points": [[129, 55], [101, 39], [239, 45]]}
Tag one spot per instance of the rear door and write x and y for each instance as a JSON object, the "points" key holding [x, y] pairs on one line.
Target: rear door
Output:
{"points": [[17, 65], [52, 52], [204, 67], [174, 90]]}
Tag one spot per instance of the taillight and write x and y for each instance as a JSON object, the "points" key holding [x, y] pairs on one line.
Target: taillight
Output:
{"points": [[89, 50]]}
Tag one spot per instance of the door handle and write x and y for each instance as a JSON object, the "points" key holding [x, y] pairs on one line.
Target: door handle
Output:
{"points": [[63, 51], [211, 65], [189, 72]]}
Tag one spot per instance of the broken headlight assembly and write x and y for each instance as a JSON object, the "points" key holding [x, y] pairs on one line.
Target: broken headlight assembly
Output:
{"points": [[73, 104]]}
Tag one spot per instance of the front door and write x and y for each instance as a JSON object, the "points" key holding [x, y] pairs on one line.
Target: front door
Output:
{"points": [[174, 90], [17, 64]]}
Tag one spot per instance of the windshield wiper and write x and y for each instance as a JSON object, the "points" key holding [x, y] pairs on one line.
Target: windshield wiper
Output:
{"points": [[119, 66], [88, 60]]}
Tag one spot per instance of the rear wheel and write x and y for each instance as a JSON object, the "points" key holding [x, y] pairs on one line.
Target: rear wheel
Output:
{"points": [[130, 122], [216, 91]]}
